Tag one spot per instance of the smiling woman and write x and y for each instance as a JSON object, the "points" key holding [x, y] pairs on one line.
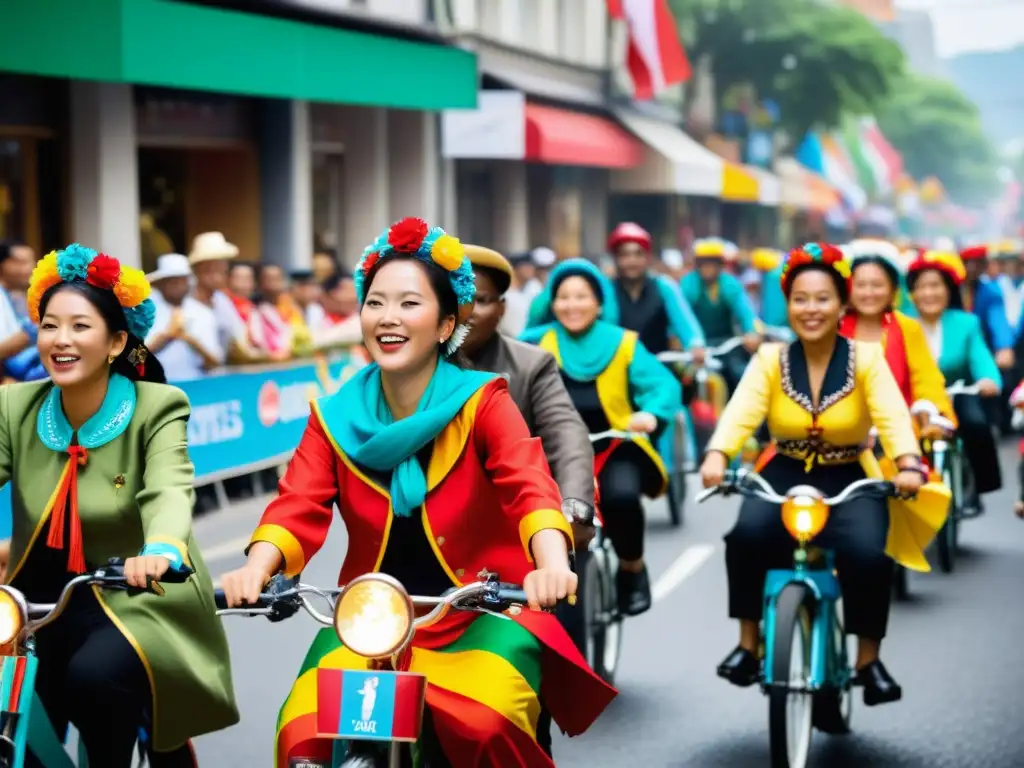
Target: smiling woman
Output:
{"points": [[819, 397], [437, 479], [97, 457]]}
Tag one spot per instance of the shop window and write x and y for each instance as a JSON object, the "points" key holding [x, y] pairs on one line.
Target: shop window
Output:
{"points": [[12, 189], [162, 178], [31, 192], [328, 200], [474, 189]]}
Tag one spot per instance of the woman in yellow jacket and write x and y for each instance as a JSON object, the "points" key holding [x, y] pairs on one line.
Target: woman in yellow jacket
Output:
{"points": [[870, 317], [819, 396]]}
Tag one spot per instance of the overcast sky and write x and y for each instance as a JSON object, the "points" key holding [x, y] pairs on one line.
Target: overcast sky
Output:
{"points": [[973, 25]]}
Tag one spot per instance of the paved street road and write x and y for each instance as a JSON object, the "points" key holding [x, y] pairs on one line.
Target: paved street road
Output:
{"points": [[956, 648]]}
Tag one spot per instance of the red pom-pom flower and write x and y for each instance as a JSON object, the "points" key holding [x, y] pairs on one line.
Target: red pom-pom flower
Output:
{"points": [[369, 261], [103, 271], [406, 236]]}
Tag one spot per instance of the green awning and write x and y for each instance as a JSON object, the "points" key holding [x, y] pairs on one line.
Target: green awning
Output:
{"points": [[180, 45]]}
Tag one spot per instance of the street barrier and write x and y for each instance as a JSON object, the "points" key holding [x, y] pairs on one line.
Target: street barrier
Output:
{"points": [[245, 419]]}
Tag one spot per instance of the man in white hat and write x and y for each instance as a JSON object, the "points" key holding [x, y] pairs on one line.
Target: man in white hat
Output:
{"points": [[209, 258], [184, 336]]}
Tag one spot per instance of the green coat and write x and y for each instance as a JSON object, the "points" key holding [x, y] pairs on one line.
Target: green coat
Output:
{"points": [[135, 488]]}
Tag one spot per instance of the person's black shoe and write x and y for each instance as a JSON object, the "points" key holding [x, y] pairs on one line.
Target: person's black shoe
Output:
{"points": [[879, 686], [634, 592], [741, 668]]}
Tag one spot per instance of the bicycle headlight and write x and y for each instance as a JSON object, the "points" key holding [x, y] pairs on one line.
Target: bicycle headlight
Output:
{"points": [[374, 616], [13, 614], [804, 513]]}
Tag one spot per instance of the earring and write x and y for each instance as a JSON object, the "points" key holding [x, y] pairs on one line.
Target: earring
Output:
{"points": [[443, 339], [111, 359]]}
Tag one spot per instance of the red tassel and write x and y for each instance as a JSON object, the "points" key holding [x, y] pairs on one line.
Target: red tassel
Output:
{"points": [[141, 368], [67, 498]]}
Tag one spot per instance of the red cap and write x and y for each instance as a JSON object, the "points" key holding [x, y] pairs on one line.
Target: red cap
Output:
{"points": [[974, 252], [628, 232]]}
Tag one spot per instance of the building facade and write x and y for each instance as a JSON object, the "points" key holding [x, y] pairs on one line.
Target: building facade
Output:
{"points": [[308, 125]]}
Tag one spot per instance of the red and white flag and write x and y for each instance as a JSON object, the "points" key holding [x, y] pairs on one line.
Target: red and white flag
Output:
{"points": [[656, 58]]}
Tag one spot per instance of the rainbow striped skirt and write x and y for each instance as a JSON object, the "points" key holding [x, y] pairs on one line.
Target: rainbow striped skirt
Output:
{"points": [[486, 675]]}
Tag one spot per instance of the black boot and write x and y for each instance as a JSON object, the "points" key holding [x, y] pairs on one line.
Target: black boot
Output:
{"points": [[879, 686], [634, 592], [741, 668]]}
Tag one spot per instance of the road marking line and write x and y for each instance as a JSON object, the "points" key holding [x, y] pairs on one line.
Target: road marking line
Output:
{"points": [[691, 559]]}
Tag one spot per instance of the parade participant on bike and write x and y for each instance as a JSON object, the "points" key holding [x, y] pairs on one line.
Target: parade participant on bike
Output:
{"points": [[956, 340], [980, 296], [537, 389], [98, 462], [650, 305], [615, 383], [874, 285], [721, 306], [820, 395], [437, 479]]}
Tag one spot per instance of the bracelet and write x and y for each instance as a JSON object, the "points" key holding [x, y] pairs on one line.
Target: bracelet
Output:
{"points": [[919, 469]]}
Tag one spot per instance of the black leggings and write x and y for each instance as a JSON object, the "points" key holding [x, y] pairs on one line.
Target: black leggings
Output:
{"points": [[856, 531], [89, 675], [627, 475], [979, 443]]}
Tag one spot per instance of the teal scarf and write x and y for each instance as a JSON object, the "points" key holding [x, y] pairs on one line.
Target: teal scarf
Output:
{"points": [[585, 356], [358, 418]]}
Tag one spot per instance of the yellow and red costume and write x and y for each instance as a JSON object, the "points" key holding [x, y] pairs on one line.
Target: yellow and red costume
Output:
{"points": [[909, 358], [489, 492]]}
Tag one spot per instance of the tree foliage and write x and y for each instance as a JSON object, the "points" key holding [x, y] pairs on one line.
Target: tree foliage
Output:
{"points": [[938, 131], [817, 61]]}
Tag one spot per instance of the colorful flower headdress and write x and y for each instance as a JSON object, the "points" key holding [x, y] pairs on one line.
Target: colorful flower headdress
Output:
{"points": [[815, 253], [415, 237], [946, 262], [78, 264]]}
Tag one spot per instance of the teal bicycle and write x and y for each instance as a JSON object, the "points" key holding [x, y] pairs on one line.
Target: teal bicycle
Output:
{"points": [[807, 672], [24, 724]]}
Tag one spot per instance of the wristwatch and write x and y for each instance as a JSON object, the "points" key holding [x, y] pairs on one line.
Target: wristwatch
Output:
{"points": [[578, 512]]}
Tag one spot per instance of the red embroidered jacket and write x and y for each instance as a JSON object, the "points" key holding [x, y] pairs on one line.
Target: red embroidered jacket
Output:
{"points": [[489, 491]]}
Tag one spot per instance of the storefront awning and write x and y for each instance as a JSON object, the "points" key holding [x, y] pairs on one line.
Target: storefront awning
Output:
{"points": [[676, 164], [177, 44], [560, 137], [504, 126], [803, 189]]}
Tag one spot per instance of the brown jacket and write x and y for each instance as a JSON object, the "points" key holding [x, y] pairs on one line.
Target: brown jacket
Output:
{"points": [[536, 387]]}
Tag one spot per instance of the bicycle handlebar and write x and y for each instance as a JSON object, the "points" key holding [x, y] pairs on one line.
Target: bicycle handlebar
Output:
{"points": [[959, 387], [710, 354], [616, 434], [286, 596], [109, 576], [750, 483]]}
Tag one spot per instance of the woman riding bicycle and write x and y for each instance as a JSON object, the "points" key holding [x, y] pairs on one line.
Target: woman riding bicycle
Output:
{"points": [[874, 287], [957, 342], [437, 480], [615, 383], [819, 396], [98, 460]]}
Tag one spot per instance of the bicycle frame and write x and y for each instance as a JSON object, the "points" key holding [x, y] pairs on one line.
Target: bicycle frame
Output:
{"points": [[24, 723], [829, 666]]}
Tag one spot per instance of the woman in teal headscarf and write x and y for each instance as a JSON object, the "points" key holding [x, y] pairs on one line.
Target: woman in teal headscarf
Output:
{"points": [[615, 383], [437, 479]]}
